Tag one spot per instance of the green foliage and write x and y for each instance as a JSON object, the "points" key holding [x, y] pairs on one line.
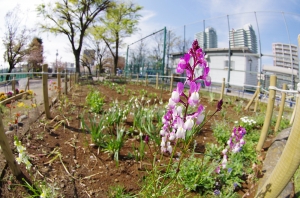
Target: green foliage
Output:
{"points": [[118, 192], [95, 101], [239, 107], [196, 174], [120, 21], [221, 132], [96, 130], [114, 144], [285, 123]]}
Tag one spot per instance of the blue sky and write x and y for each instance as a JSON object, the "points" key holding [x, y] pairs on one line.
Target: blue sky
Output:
{"points": [[174, 14]]}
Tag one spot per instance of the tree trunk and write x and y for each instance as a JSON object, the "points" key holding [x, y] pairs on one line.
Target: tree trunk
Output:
{"points": [[77, 61], [9, 71]]}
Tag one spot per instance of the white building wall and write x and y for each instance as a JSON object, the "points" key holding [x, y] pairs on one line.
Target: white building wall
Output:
{"points": [[238, 76]]}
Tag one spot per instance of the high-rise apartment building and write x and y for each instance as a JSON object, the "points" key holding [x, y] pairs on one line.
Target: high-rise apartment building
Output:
{"points": [[244, 37], [285, 55], [208, 38]]}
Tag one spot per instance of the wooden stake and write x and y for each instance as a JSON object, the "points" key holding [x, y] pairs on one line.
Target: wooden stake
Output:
{"points": [[256, 94], [8, 152], [59, 82], [66, 83], [222, 89], [45, 91]]}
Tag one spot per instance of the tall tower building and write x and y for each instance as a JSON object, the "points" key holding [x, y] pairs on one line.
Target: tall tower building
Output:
{"points": [[283, 54], [244, 37], [208, 38]]}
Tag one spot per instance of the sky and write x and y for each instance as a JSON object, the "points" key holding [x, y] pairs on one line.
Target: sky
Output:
{"points": [[277, 21]]}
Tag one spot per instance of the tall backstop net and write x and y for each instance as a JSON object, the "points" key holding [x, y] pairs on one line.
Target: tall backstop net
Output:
{"points": [[147, 55]]}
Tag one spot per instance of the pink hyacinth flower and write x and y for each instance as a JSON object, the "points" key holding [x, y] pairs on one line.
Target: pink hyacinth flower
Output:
{"points": [[176, 93], [194, 95], [183, 62]]}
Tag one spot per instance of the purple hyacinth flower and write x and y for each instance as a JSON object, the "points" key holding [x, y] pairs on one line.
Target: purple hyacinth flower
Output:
{"points": [[219, 105], [146, 139]]}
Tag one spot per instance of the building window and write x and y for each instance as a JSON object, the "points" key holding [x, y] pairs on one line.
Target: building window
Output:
{"points": [[232, 65]]}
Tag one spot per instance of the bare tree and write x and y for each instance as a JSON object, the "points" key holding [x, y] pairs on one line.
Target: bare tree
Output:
{"points": [[101, 52], [15, 39]]}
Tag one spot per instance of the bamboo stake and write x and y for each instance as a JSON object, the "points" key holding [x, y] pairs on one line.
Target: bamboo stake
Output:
{"points": [[269, 113], [287, 165], [45, 91], [8, 152], [294, 112], [59, 82], [222, 89], [253, 97], [283, 95], [171, 83]]}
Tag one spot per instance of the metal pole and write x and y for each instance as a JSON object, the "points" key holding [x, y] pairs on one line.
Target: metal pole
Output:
{"points": [[204, 36], [164, 53], [260, 54], [291, 57], [183, 39], [126, 66], [229, 54], [168, 50]]}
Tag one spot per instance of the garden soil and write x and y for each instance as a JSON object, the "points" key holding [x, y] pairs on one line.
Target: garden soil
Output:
{"points": [[63, 154]]}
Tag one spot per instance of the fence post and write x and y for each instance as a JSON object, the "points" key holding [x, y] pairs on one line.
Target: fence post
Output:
{"points": [[222, 89], [283, 95], [27, 85], [45, 91], [66, 83], [70, 85], [171, 82], [137, 78], [287, 165], [156, 86], [146, 79], [13, 85], [8, 152], [254, 96], [59, 82], [269, 113]]}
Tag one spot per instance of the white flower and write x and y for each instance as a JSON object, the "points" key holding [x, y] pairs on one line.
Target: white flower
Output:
{"points": [[189, 123], [224, 161], [169, 147]]}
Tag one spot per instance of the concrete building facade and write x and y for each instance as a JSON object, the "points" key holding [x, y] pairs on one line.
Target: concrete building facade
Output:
{"points": [[208, 38], [243, 37]]}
